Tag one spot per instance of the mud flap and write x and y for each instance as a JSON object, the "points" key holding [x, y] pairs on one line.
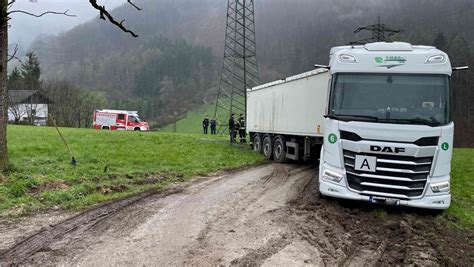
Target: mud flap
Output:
{"points": [[292, 150]]}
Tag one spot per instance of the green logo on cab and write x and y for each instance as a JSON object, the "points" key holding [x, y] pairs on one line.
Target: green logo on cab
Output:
{"points": [[379, 60], [332, 138], [445, 146]]}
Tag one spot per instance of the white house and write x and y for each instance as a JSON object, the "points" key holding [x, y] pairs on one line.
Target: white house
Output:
{"points": [[29, 106]]}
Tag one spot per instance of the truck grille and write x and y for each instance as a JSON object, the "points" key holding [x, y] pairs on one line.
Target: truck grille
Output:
{"points": [[396, 176]]}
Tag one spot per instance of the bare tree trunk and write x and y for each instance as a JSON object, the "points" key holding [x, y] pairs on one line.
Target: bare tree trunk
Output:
{"points": [[3, 84]]}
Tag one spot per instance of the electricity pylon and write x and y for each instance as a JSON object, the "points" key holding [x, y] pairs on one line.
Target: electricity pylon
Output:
{"points": [[239, 69], [379, 31]]}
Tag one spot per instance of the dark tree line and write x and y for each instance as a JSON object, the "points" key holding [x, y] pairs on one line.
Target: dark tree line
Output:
{"points": [[156, 78]]}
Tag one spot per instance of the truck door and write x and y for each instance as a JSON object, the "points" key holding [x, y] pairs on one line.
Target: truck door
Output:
{"points": [[133, 122], [121, 122]]}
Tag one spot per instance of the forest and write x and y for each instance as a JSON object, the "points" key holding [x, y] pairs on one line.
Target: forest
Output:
{"points": [[174, 65]]}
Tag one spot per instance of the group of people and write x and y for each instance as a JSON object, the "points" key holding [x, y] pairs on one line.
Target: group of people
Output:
{"points": [[205, 125], [235, 127]]}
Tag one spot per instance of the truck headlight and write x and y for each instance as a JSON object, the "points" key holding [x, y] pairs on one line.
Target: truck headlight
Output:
{"points": [[436, 59], [347, 58], [332, 176], [441, 187]]}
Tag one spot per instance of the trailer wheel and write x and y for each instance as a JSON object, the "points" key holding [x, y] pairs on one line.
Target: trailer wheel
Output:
{"points": [[279, 150], [267, 147], [257, 143]]}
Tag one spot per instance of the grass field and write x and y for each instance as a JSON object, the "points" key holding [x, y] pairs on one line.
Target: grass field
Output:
{"points": [[42, 177], [192, 123], [462, 186]]}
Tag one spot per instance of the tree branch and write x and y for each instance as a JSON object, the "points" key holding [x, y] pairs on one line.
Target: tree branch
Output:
{"points": [[135, 6], [105, 15], [13, 56], [65, 13]]}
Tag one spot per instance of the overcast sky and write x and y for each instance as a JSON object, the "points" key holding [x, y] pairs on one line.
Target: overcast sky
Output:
{"points": [[25, 28]]}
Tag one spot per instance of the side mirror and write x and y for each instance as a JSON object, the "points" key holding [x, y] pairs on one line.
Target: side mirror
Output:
{"points": [[460, 68], [322, 66]]}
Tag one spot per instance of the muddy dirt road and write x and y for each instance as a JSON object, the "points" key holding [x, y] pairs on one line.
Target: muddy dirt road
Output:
{"points": [[267, 215]]}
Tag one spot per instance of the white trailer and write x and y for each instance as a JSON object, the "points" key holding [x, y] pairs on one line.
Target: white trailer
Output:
{"points": [[293, 109], [379, 117]]}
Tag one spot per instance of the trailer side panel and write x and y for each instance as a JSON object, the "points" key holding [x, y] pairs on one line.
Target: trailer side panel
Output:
{"points": [[292, 107]]}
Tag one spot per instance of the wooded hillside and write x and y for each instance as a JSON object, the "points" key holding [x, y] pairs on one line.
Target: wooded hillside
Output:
{"points": [[175, 63]]}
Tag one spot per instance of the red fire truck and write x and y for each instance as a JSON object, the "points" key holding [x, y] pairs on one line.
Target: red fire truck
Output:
{"points": [[108, 119]]}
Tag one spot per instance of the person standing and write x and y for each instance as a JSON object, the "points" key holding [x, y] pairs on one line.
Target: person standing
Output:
{"points": [[232, 128], [237, 129], [205, 124], [242, 129], [213, 126]]}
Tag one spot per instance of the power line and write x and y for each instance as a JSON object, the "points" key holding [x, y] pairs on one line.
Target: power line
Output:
{"points": [[379, 33]]}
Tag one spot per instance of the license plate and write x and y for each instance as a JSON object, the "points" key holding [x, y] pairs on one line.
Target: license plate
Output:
{"points": [[383, 200], [365, 163]]}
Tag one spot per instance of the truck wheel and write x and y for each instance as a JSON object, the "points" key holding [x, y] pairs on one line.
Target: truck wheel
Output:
{"points": [[137, 129], [267, 147], [105, 128], [279, 150], [257, 143]]}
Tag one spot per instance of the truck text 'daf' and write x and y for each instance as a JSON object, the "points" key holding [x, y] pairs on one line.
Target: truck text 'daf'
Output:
{"points": [[379, 118]]}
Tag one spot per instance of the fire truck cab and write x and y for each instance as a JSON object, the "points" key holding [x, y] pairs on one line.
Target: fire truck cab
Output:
{"points": [[122, 120]]}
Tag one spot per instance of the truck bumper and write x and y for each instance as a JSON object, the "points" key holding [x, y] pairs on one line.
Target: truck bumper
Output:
{"points": [[439, 202]]}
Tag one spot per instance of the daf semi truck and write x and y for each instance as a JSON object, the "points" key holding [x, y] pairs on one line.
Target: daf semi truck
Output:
{"points": [[378, 117]]}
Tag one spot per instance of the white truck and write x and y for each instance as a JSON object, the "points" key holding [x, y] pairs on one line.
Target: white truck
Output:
{"points": [[379, 118]]}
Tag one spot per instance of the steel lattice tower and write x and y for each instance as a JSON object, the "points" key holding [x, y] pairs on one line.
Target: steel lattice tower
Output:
{"points": [[239, 69]]}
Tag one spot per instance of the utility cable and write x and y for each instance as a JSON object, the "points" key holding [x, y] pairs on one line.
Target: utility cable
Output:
{"points": [[73, 159]]}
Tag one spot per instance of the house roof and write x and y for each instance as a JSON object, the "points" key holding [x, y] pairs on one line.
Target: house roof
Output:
{"points": [[27, 97]]}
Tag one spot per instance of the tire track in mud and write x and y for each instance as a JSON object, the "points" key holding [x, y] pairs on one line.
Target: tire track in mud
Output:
{"points": [[372, 235], [343, 237], [77, 224], [258, 256], [248, 212], [299, 235], [318, 238], [365, 256]]}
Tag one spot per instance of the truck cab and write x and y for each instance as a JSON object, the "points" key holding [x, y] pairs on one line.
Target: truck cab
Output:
{"points": [[388, 128]]}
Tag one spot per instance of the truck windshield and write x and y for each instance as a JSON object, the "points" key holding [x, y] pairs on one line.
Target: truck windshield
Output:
{"points": [[391, 98], [134, 119]]}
